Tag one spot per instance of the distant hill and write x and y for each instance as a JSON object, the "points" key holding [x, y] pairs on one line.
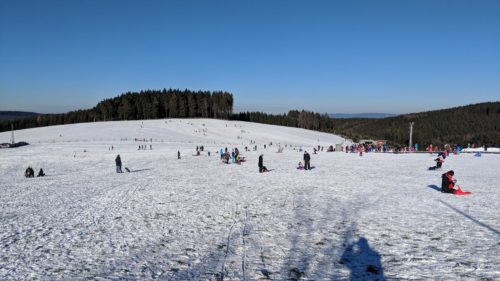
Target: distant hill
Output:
{"points": [[476, 123], [14, 115], [360, 115]]}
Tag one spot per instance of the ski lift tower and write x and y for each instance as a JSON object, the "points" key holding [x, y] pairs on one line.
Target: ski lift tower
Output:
{"points": [[12, 136], [411, 134]]}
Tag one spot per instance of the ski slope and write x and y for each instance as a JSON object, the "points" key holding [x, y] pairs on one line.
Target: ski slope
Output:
{"points": [[378, 216]]}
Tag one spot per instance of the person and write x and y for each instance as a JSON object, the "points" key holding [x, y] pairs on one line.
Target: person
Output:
{"points": [[29, 173], [41, 173], [300, 166], [262, 168], [361, 149], [307, 161], [448, 183], [442, 154], [439, 163], [118, 162], [178, 154]]}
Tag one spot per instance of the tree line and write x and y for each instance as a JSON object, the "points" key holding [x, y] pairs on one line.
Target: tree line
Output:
{"points": [[149, 104], [294, 118], [478, 123], [472, 124]]}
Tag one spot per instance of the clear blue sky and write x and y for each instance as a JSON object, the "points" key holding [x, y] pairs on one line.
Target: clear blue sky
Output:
{"points": [[327, 56]]}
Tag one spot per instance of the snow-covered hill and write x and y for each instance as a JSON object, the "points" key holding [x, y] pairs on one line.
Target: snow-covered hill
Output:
{"points": [[174, 130], [376, 216]]}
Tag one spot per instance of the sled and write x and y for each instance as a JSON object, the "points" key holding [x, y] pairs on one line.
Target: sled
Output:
{"points": [[302, 168], [459, 191], [267, 171], [434, 168], [127, 169]]}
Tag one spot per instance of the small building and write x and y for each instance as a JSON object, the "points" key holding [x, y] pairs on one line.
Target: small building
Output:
{"points": [[373, 142], [367, 141]]}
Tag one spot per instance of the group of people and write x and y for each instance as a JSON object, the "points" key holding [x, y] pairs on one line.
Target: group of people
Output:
{"points": [[456, 148], [307, 162], [448, 184], [30, 173], [234, 156]]}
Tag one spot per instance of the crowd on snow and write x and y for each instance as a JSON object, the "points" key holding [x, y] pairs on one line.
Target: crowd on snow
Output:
{"points": [[402, 149], [233, 156]]}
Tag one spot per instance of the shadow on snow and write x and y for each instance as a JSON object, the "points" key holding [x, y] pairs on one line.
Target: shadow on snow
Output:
{"points": [[435, 187], [471, 218]]}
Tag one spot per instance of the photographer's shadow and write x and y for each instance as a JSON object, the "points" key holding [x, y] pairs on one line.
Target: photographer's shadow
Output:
{"points": [[363, 262]]}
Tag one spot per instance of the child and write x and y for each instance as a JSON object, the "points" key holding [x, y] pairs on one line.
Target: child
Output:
{"points": [[41, 173], [439, 163], [449, 184]]}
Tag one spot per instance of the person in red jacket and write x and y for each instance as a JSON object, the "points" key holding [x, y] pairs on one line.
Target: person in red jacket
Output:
{"points": [[448, 183]]}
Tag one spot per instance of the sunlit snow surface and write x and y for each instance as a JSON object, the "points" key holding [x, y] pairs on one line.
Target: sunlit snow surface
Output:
{"points": [[376, 216]]}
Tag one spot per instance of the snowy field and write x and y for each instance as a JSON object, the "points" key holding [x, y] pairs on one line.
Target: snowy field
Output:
{"points": [[379, 216]]}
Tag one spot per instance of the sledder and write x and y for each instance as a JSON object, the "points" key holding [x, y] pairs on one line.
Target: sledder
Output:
{"points": [[449, 185], [300, 166], [262, 168], [439, 163], [29, 173]]}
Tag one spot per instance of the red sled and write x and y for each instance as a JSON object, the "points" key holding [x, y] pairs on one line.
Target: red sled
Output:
{"points": [[461, 192]]}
